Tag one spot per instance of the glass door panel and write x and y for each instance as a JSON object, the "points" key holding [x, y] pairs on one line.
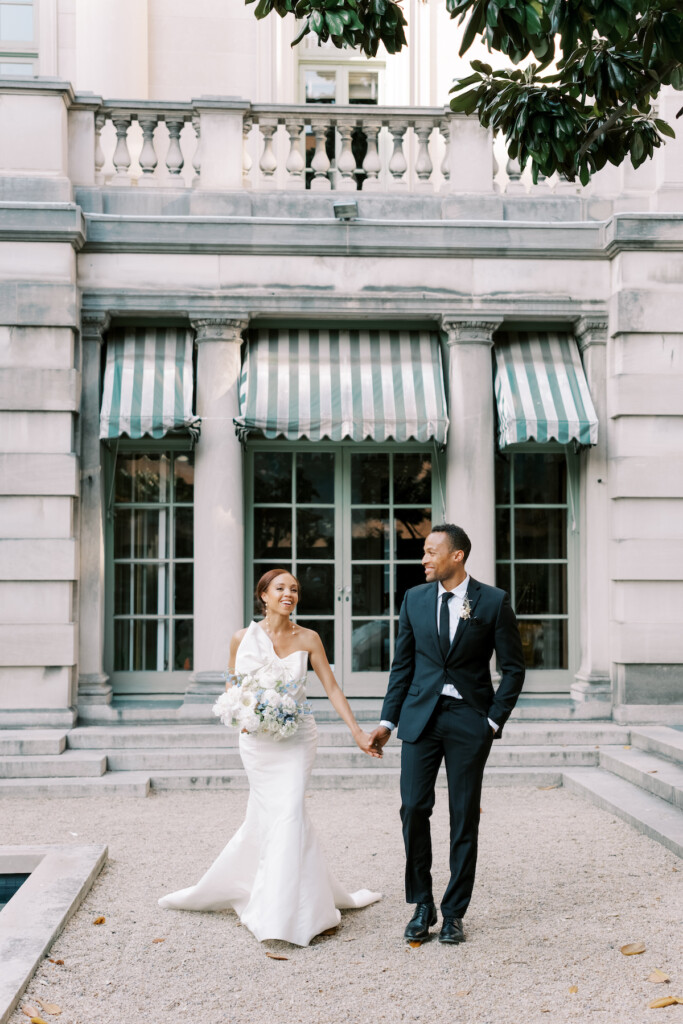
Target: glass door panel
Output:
{"points": [[350, 523]]}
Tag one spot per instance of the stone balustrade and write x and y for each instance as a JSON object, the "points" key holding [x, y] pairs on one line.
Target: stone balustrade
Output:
{"points": [[226, 144]]}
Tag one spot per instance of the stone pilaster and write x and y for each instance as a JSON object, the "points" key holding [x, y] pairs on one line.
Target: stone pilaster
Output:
{"points": [[470, 491], [592, 681], [93, 682], [218, 507]]}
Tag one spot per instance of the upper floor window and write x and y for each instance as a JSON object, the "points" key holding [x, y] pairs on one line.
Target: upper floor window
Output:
{"points": [[18, 38], [339, 83]]}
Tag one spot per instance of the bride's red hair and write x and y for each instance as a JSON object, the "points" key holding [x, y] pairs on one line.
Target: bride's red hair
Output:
{"points": [[267, 579]]}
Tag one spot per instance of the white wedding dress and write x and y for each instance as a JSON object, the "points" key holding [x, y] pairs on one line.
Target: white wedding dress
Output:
{"points": [[272, 872]]}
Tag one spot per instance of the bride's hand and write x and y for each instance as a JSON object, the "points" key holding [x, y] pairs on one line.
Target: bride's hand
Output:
{"points": [[365, 743]]}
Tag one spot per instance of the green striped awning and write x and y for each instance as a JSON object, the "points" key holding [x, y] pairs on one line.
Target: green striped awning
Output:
{"points": [[147, 382], [337, 384], [541, 390]]}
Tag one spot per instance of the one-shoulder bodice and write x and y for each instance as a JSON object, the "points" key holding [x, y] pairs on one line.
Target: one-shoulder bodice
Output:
{"points": [[256, 653]]}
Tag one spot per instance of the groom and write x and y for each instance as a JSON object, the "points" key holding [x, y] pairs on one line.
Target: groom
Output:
{"points": [[441, 696]]}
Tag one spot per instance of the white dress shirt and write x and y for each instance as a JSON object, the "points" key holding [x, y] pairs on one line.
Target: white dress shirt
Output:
{"points": [[454, 616]]}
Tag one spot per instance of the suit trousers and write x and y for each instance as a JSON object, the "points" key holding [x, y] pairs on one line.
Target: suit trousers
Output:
{"points": [[462, 737]]}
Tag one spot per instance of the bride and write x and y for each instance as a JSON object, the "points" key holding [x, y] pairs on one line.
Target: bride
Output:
{"points": [[272, 872]]}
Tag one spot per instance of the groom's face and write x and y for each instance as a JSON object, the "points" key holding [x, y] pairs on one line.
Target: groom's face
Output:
{"points": [[441, 561]]}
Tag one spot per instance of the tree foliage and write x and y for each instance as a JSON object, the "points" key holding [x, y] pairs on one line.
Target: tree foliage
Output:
{"points": [[584, 99]]}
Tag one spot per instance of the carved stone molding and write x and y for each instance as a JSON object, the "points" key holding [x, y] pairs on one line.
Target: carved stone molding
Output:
{"points": [[94, 325], [590, 330], [470, 332], [219, 329]]}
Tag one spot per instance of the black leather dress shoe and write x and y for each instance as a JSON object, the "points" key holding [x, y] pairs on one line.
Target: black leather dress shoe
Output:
{"points": [[420, 923], [451, 930]]}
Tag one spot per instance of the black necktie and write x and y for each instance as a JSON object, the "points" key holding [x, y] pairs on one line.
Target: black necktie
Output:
{"points": [[445, 623]]}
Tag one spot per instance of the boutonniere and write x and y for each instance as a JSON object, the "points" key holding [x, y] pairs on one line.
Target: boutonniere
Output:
{"points": [[466, 609]]}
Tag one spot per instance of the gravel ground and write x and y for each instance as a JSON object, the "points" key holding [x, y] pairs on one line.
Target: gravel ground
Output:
{"points": [[561, 886]]}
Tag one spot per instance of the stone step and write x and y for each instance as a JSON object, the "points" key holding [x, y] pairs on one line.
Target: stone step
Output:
{"points": [[349, 778], [111, 784], [649, 814], [659, 739], [14, 742], [655, 774], [228, 758], [76, 763], [144, 737]]}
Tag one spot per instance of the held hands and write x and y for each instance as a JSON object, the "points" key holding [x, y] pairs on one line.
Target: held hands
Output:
{"points": [[366, 744], [378, 737]]}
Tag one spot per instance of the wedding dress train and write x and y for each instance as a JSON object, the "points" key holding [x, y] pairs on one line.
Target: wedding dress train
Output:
{"points": [[272, 872]]}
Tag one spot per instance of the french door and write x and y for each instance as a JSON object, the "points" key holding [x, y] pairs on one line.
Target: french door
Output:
{"points": [[350, 522]]}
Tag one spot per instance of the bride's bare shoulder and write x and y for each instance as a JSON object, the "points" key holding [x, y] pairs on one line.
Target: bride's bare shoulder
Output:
{"points": [[236, 640], [308, 637]]}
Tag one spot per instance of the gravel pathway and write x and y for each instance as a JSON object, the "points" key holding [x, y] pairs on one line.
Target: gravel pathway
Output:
{"points": [[561, 886]]}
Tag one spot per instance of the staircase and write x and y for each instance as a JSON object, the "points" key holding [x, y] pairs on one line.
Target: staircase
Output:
{"points": [[634, 772]]}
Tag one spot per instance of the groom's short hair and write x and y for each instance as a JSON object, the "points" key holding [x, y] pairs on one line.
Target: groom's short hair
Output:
{"points": [[458, 538]]}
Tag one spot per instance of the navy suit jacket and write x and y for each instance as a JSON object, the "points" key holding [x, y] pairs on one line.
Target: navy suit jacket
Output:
{"points": [[419, 670]]}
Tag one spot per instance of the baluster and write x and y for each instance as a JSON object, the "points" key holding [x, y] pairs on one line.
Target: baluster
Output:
{"points": [[246, 155], [295, 163], [321, 161], [398, 164], [175, 161], [423, 163], [148, 156], [122, 159], [372, 164], [100, 158], [346, 164], [268, 161], [514, 173], [197, 158], [445, 129]]}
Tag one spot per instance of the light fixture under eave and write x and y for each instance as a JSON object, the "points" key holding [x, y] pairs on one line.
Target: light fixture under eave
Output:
{"points": [[345, 211]]}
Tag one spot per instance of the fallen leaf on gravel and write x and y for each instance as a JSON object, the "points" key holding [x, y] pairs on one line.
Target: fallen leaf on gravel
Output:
{"points": [[463, 992], [158, 940], [38, 1020], [414, 945], [60, 963], [50, 1008], [652, 771], [350, 939], [29, 1010], [544, 1009], [656, 1004], [330, 931], [573, 989], [633, 948], [99, 920], [276, 956], [547, 787], [658, 977]]}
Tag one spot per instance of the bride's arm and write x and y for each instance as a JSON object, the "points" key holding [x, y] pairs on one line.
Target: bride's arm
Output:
{"points": [[321, 667], [234, 644]]}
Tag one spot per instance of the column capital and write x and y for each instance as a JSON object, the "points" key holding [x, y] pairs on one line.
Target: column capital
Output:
{"points": [[93, 325], [590, 330], [470, 332], [219, 329]]}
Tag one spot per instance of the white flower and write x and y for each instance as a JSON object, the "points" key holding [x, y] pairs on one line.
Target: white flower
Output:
{"points": [[250, 722], [466, 609], [272, 697]]}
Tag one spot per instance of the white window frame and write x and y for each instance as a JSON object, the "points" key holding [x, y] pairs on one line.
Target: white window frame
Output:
{"points": [[23, 51], [342, 68]]}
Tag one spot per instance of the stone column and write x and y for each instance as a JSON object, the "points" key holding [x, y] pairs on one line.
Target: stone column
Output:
{"points": [[592, 681], [470, 492], [93, 682], [218, 507]]}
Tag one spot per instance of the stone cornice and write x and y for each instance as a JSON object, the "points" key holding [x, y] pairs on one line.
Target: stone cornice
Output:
{"points": [[42, 222], [94, 323]]}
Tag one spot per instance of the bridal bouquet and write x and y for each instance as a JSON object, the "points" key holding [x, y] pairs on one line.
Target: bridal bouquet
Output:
{"points": [[261, 703]]}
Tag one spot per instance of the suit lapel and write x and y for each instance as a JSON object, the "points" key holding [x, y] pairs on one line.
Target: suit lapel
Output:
{"points": [[473, 595], [432, 602]]}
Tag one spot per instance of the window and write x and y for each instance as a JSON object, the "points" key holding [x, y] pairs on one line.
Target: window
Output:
{"points": [[533, 549], [152, 565], [18, 38]]}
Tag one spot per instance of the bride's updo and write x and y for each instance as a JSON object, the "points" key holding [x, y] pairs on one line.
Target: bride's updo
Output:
{"points": [[267, 579]]}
